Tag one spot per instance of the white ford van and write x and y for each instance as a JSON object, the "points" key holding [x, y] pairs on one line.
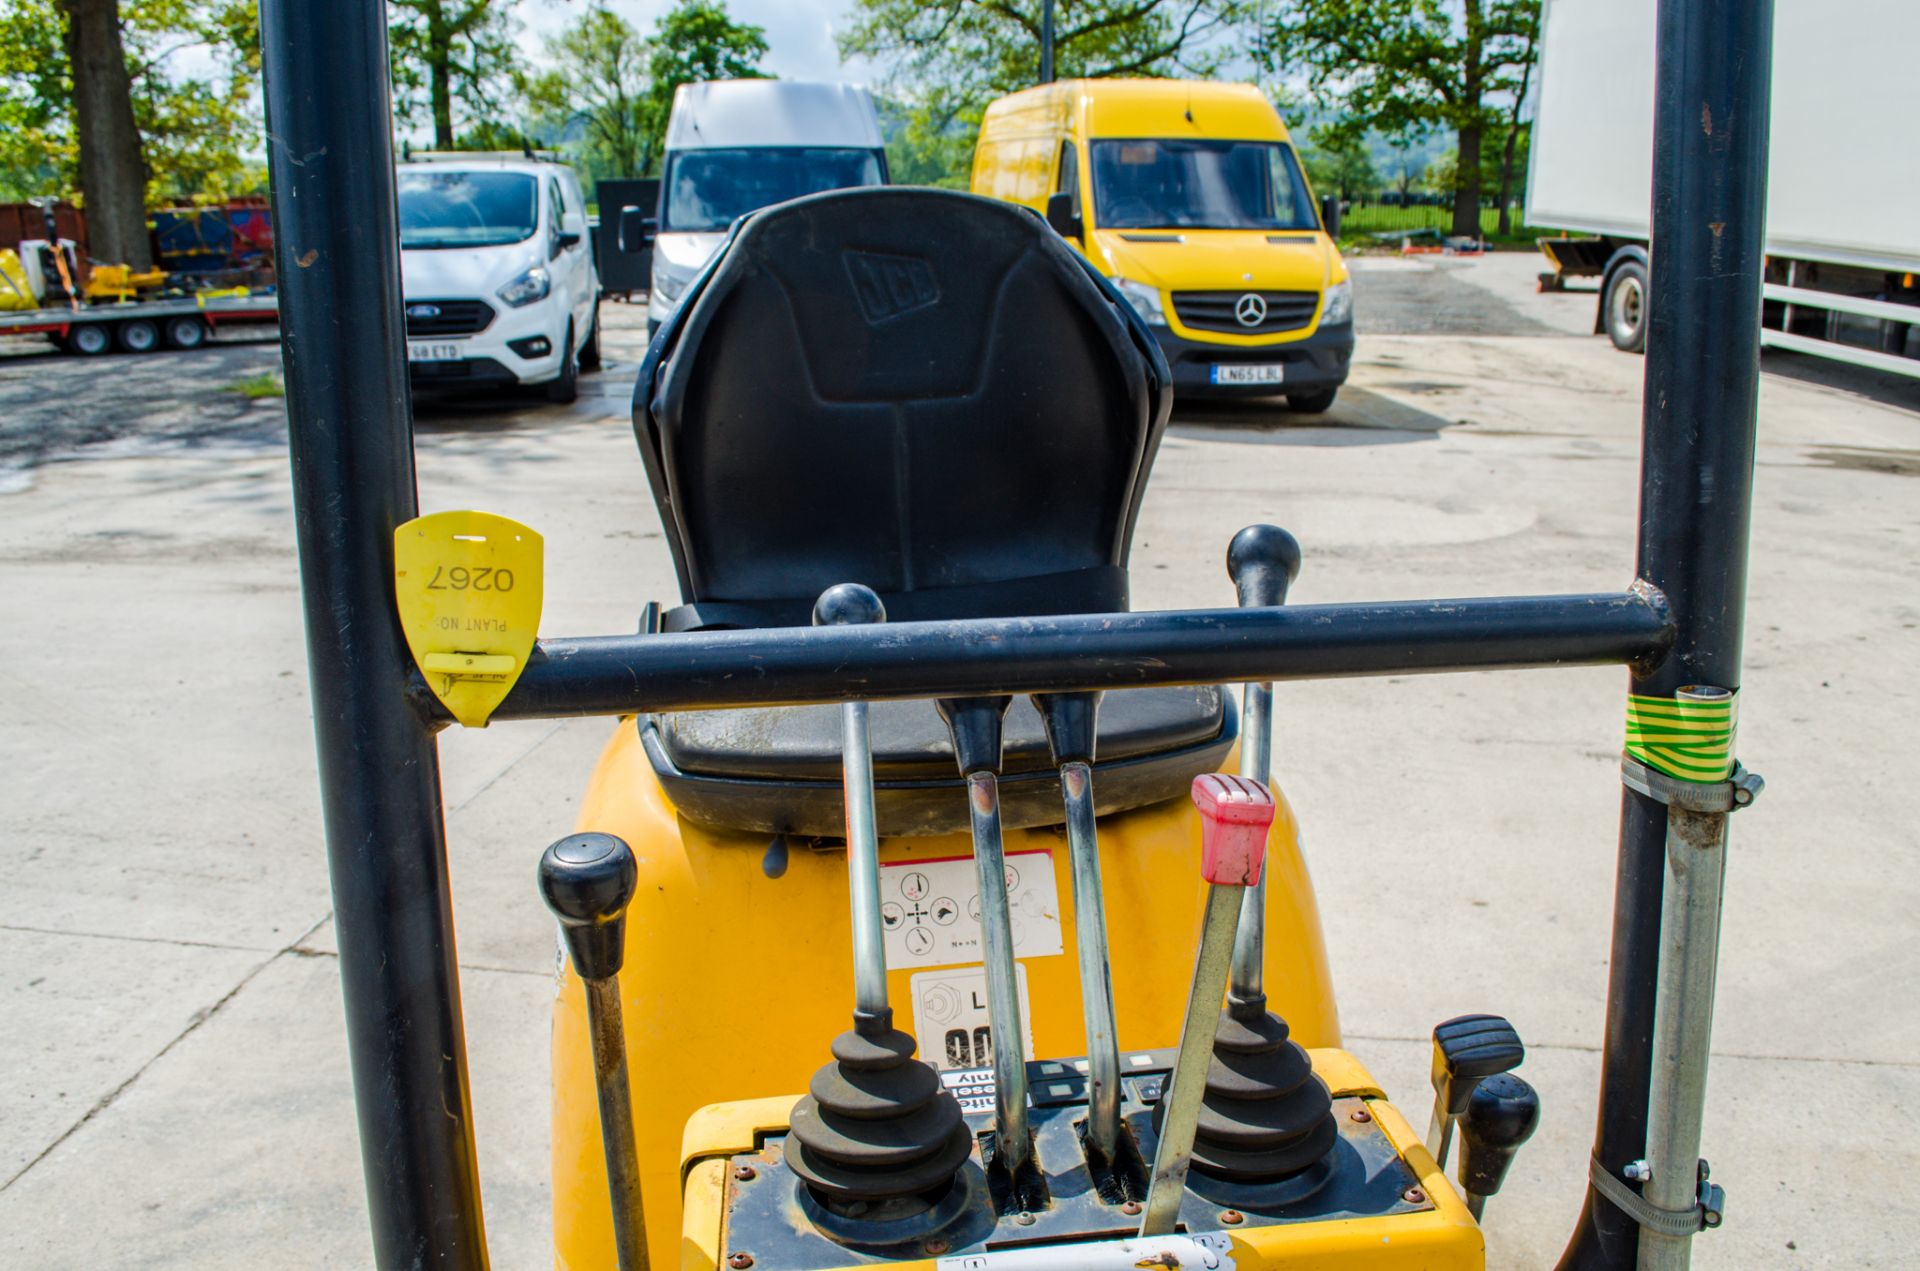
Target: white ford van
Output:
{"points": [[739, 145], [497, 274]]}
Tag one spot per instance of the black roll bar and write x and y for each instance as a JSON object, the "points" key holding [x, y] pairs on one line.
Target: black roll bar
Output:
{"points": [[342, 336]]}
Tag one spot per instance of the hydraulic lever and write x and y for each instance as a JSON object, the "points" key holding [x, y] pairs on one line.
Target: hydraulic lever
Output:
{"points": [[587, 881], [1071, 720], [875, 1129], [1466, 1051], [1234, 816], [1501, 1114], [975, 725], [1262, 561]]}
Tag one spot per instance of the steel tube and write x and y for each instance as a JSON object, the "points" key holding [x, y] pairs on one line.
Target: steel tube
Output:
{"points": [[1096, 972], [343, 346], [1187, 1086], [1683, 1022], [1256, 762], [701, 670], [1711, 111], [1015, 1141], [616, 1122], [863, 863]]}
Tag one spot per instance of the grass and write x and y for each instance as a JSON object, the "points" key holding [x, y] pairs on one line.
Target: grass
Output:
{"points": [[265, 384], [1360, 225]]}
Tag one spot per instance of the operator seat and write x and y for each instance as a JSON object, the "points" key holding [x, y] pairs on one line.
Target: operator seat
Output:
{"points": [[932, 394]]}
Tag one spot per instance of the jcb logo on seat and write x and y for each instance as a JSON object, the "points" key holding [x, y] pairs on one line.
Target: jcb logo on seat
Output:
{"points": [[888, 286]]}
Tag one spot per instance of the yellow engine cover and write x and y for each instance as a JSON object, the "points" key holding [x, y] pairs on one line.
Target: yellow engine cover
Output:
{"points": [[735, 982]]}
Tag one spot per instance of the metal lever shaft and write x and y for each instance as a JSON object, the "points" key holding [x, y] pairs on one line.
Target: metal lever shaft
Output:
{"points": [[844, 604], [1262, 561], [975, 726], [587, 881], [1071, 720], [1234, 816]]}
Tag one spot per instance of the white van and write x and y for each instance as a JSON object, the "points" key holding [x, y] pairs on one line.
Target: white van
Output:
{"points": [[739, 145], [498, 277]]}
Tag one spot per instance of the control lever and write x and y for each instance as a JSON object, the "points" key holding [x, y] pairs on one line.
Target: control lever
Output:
{"points": [[1262, 561], [1501, 1114], [1235, 814], [1071, 720], [874, 1127], [587, 881], [1466, 1051], [975, 725]]}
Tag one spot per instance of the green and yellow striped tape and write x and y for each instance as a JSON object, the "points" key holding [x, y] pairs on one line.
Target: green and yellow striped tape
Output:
{"points": [[1688, 737]]}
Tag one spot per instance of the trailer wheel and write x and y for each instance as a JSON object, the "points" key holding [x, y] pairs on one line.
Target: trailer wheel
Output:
{"points": [[137, 335], [1625, 307], [185, 332], [89, 339]]}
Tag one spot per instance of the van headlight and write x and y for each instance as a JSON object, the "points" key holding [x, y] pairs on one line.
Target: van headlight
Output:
{"points": [[528, 287], [1339, 307], [670, 283], [1144, 299]]}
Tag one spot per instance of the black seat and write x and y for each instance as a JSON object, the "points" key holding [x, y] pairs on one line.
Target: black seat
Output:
{"points": [[926, 392]]}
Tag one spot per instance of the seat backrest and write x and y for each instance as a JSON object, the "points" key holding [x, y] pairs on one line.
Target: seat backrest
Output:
{"points": [[923, 391]]}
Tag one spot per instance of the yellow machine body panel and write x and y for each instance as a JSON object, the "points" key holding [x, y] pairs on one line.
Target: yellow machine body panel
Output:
{"points": [[1442, 1238], [735, 982]]}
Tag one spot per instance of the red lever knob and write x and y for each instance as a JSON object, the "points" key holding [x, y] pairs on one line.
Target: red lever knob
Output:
{"points": [[1234, 815]]}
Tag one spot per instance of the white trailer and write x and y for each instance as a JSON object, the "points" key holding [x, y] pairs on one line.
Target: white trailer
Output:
{"points": [[1843, 187]]}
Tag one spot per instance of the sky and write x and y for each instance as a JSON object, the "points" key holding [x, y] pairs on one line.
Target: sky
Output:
{"points": [[799, 32]]}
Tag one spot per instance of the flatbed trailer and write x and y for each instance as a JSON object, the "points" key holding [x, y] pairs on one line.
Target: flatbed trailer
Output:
{"points": [[141, 326]]}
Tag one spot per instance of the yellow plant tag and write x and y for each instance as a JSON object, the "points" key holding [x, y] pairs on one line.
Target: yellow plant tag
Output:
{"points": [[468, 587]]}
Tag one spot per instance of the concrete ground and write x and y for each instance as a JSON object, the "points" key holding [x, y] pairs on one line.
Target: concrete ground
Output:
{"points": [[173, 1079]]}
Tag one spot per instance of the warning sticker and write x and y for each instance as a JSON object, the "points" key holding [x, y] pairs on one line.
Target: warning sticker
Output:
{"points": [[955, 1030], [930, 910]]}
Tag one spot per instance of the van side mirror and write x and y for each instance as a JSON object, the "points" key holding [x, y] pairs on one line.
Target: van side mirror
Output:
{"points": [[637, 229], [567, 239], [1330, 215], [1061, 216]]}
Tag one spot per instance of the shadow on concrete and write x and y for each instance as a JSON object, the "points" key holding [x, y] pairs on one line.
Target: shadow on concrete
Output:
{"points": [[1360, 417], [1897, 391]]}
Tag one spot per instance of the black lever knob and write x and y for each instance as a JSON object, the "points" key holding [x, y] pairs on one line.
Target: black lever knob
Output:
{"points": [[975, 725], [1263, 560], [1072, 722], [848, 604], [588, 880], [1501, 1114]]}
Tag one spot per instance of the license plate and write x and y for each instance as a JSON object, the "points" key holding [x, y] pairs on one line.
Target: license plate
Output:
{"points": [[1249, 372], [433, 352]]}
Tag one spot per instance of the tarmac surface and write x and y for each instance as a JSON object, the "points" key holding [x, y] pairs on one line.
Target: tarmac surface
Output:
{"points": [[173, 1078]]}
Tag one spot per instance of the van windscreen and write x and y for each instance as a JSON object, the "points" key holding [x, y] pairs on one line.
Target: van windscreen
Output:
{"points": [[466, 209], [707, 190], [1182, 184]]}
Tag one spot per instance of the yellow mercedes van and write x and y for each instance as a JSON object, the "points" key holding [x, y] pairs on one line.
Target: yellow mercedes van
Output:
{"points": [[1189, 196]]}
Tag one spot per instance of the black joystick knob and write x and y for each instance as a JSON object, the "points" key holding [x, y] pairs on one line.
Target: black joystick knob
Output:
{"points": [[1501, 1114], [588, 881], [1262, 560], [848, 604]]}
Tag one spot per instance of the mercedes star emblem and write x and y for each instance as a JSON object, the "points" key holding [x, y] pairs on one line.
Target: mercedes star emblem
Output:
{"points": [[1250, 310]]}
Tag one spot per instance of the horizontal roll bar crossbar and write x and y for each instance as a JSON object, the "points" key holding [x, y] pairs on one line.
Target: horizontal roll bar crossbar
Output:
{"points": [[705, 670]]}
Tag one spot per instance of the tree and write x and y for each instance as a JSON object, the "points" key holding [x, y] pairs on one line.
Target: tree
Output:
{"points": [[694, 42], [948, 59], [600, 79], [1411, 66], [1339, 162], [121, 141], [454, 52]]}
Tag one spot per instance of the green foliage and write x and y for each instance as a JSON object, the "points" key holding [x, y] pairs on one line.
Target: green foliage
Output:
{"points": [[1340, 162], [599, 78], [197, 131], [1406, 66], [452, 64], [929, 141], [947, 60], [253, 388], [693, 42]]}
